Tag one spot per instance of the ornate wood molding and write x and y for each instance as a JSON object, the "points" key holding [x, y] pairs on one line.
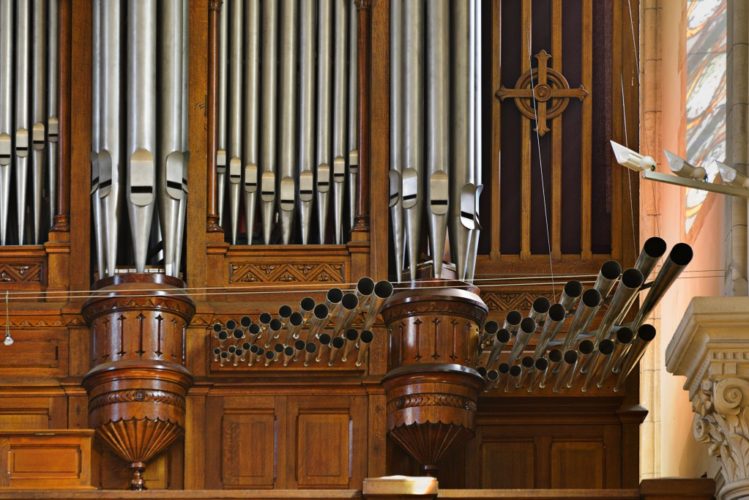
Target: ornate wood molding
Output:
{"points": [[307, 272]]}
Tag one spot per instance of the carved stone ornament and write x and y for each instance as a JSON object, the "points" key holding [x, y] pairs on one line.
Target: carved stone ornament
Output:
{"points": [[722, 422], [711, 348]]}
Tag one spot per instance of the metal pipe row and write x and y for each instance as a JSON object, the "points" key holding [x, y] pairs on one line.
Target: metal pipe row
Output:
{"points": [[583, 351], [435, 148], [331, 329], [288, 119], [29, 55], [148, 162]]}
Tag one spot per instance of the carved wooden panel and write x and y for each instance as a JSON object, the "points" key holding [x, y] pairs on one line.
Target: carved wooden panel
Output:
{"points": [[37, 352], [508, 464], [12, 273], [280, 272], [327, 441], [249, 457], [569, 458], [26, 410]]}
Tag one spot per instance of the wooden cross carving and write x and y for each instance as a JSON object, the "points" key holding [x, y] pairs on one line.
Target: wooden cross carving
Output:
{"points": [[550, 88]]}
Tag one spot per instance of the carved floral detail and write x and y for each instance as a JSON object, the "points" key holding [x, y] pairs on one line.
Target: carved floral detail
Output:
{"points": [[243, 272], [722, 422], [137, 396], [435, 399]]}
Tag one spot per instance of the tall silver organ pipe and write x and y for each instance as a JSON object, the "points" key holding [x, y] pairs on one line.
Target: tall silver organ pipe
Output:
{"points": [[251, 115], [234, 156], [438, 118], [353, 112], [141, 125], [96, 139], [6, 112], [146, 165], [38, 110], [287, 139], [307, 13], [171, 146], [339, 115], [413, 147], [396, 133], [299, 117], [185, 131], [53, 125], [448, 101], [222, 99], [110, 158], [23, 123], [268, 116]]}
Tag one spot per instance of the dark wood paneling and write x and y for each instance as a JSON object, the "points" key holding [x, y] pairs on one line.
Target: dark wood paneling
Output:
{"points": [[508, 464], [570, 458], [249, 449]]}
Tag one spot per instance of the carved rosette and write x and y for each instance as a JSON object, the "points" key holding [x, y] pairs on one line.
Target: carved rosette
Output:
{"points": [[430, 407], [138, 383], [722, 422]]}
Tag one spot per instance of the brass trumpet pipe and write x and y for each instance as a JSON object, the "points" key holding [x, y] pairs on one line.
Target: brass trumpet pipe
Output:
{"points": [[625, 294], [351, 336], [622, 342], [585, 313], [652, 251], [645, 335], [541, 365], [607, 276], [324, 346], [335, 347], [554, 322], [365, 340], [500, 341], [585, 350], [527, 327], [567, 366], [570, 295], [678, 259], [555, 357]]}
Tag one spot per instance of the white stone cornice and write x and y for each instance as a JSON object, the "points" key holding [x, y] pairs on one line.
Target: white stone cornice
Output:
{"points": [[711, 348]]}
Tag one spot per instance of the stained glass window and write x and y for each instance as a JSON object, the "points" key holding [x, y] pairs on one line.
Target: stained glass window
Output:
{"points": [[705, 106]]}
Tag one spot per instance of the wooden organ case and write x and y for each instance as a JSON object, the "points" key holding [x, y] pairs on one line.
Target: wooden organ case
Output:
{"points": [[126, 344]]}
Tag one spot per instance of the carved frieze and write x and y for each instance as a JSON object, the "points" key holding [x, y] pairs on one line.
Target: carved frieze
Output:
{"points": [[280, 272]]}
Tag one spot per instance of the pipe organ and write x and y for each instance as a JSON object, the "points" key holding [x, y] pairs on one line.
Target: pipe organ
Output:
{"points": [[28, 119], [435, 168], [287, 120], [325, 140], [139, 133]]}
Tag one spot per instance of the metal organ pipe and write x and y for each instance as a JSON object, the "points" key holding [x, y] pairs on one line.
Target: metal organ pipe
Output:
{"points": [[22, 76], [324, 160], [251, 114], [353, 112], [53, 125], [287, 139], [141, 123], [6, 112], [438, 140], [110, 167], [339, 116], [307, 11], [396, 133], [235, 112], [38, 109], [223, 65], [413, 40], [268, 116], [184, 125], [474, 136]]}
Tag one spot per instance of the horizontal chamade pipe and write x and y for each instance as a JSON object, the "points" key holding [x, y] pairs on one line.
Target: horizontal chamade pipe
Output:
{"points": [[622, 341], [324, 346], [527, 327], [584, 314], [500, 340], [607, 276], [567, 365], [652, 251], [624, 296], [540, 365], [365, 340], [552, 325], [512, 321], [539, 309], [571, 294], [645, 335]]}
